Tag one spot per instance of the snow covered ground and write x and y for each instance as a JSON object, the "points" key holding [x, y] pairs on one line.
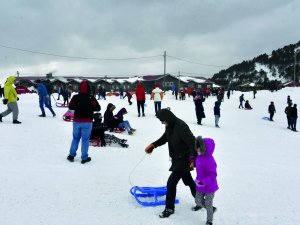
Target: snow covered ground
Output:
{"points": [[258, 167]]}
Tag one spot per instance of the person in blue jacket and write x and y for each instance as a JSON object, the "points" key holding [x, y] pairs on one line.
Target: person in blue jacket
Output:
{"points": [[44, 98]]}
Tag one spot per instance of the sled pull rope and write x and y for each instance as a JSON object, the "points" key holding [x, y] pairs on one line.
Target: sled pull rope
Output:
{"points": [[132, 171]]}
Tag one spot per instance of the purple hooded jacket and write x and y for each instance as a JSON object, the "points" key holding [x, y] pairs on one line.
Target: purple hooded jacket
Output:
{"points": [[206, 167]]}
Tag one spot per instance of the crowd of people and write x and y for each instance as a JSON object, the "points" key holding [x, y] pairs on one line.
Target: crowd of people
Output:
{"points": [[185, 150]]}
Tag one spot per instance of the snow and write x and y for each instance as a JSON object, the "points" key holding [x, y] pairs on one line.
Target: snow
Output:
{"points": [[187, 78], [258, 164]]}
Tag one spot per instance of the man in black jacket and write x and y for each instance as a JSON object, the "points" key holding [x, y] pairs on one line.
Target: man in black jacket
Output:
{"points": [[181, 144]]}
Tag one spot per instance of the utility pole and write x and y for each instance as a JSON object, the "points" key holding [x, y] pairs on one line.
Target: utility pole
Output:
{"points": [[165, 59]]}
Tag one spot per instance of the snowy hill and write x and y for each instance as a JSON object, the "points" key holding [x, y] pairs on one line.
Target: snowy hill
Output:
{"points": [[258, 164]]}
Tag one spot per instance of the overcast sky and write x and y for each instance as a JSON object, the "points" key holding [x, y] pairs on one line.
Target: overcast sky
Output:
{"points": [[214, 34]]}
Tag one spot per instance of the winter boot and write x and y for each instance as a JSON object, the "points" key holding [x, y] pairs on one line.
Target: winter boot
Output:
{"points": [[130, 132], [16, 122], [143, 115], [133, 130], [166, 213], [54, 115], [196, 208], [214, 209], [209, 223], [70, 158], [88, 159], [0, 118], [124, 145], [139, 115], [42, 115]]}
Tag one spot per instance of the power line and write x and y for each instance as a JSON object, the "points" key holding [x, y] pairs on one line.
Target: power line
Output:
{"points": [[77, 57], [195, 62]]}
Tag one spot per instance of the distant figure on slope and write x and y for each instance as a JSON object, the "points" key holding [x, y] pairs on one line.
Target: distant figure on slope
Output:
{"points": [[287, 111], [241, 101], [228, 93], [206, 180], [272, 110], [254, 93], [247, 105], [217, 113], [140, 99], [294, 116], [157, 95], [289, 100], [129, 96], [84, 106], [198, 100], [181, 144]]}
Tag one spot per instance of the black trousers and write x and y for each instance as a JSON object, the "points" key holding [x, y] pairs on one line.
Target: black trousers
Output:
{"points": [[172, 184], [140, 104], [271, 116]]}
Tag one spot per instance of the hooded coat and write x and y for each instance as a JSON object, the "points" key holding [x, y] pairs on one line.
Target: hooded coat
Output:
{"points": [[198, 100], [109, 119], [180, 141], [84, 104], [140, 92], [120, 115], [206, 168], [10, 92]]}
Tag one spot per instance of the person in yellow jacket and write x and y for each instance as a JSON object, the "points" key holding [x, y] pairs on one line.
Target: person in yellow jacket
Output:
{"points": [[10, 98], [157, 95]]}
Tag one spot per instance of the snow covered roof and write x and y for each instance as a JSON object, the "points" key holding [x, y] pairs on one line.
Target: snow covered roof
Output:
{"points": [[186, 79]]}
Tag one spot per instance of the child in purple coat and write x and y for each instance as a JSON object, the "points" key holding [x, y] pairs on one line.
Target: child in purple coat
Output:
{"points": [[206, 181]]}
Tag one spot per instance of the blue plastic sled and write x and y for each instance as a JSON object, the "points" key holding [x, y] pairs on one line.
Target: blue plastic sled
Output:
{"points": [[266, 118], [152, 193]]}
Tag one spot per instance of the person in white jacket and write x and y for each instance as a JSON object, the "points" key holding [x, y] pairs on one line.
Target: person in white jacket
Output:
{"points": [[157, 95]]}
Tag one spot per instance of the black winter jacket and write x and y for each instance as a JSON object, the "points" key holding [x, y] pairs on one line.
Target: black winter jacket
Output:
{"points": [[180, 140]]}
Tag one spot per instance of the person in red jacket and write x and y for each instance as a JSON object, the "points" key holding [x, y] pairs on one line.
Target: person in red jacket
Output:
{"points": [[140, 98]]}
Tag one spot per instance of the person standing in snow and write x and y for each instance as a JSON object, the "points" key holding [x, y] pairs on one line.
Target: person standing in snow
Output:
{"points": [[206, 180], [241, 101], [44, 98], [217, 113], [272, 110], [288, 114], [198, 100], [294, 116], [157, 95], [84, 106], [140, 99], [10, 98], [181, 143], [254, 93]]}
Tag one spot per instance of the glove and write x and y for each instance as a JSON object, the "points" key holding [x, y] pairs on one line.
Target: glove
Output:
{"points": [[5, 101], [149, 149], [192, 166]]}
